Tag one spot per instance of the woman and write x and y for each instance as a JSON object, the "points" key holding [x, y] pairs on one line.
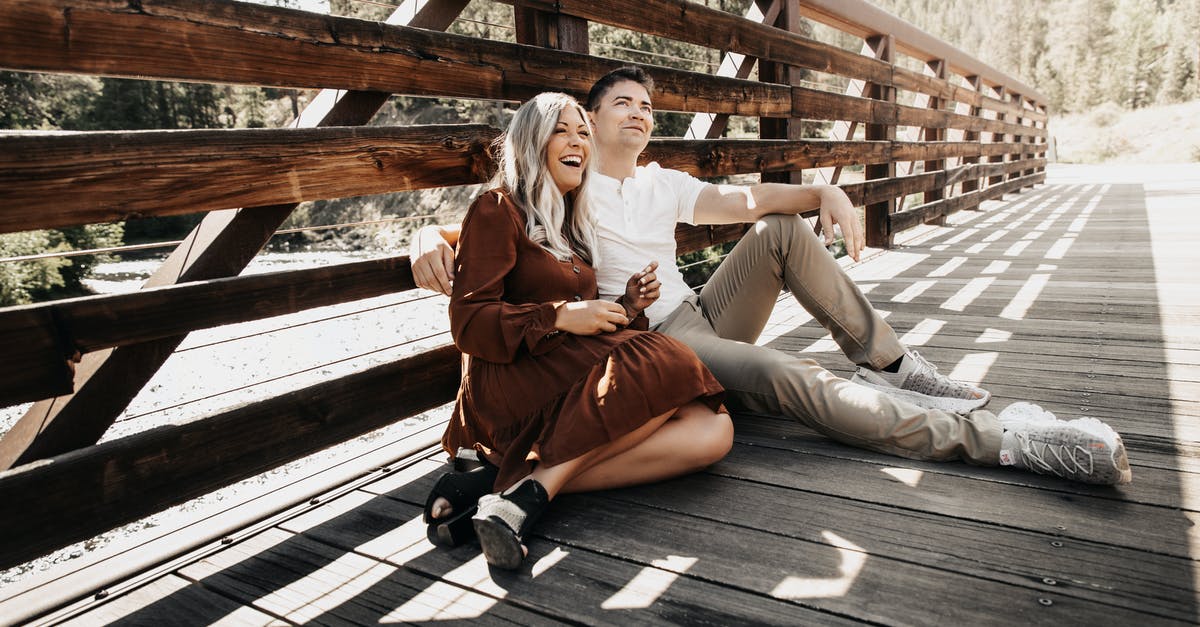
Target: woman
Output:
{"points": [[558, 393]]}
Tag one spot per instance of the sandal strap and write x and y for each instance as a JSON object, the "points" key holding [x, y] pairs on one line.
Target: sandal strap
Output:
{"points": [[519, 509], [462, 489]]}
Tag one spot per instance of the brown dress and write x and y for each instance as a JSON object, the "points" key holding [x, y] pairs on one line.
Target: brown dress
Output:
{"points": [[528, 392]]}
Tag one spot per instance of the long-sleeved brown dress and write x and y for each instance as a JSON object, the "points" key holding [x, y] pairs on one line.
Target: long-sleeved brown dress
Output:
{"points": [[529, 393]]}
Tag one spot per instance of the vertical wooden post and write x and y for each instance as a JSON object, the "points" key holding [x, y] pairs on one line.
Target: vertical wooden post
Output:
{"points": [[936, 68], [550, 30], [1002, 94], [220, 246], [1019, 140], [1043, 142], [1027, 146], [783, 128], [972, 183], [879, 234]]}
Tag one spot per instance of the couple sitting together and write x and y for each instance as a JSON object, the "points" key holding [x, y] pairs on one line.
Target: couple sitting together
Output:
{"points": [[589, 366]]}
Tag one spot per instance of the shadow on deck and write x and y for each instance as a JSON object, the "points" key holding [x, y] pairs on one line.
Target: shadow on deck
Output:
{"points": [[1075, 295]]}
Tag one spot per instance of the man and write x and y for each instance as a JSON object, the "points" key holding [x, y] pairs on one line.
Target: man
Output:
{"points": [[896, 403]]}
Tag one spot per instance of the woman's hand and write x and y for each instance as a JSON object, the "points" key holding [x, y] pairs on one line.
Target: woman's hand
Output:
{"points": [[432, 259], [641, 290], [590, 317]]}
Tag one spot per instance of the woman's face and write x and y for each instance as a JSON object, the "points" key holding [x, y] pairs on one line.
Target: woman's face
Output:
{"points": [[569, 149]]}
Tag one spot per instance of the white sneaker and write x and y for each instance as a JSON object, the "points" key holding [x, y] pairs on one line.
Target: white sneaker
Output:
{"points": [[918, 382], [1083, 449]]}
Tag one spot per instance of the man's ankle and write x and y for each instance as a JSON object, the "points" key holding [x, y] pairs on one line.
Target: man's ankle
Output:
{"points": [[893, 367]]}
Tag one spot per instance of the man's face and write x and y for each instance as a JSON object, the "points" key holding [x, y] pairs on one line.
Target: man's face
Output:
{"points": [[624, 118]]}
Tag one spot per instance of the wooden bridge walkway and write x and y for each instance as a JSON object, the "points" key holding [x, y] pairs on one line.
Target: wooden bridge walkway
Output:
{"points": [[1079, 295]]}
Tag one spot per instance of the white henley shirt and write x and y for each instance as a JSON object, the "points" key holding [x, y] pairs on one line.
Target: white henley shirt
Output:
{"points": [[636, 224]]}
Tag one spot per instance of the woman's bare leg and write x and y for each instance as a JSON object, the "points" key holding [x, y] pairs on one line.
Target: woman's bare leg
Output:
{"points": [[695, 437], [675, 442], [553, 478]]}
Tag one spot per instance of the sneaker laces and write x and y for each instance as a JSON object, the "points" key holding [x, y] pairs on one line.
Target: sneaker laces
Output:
{"points": [[1068, 464], [926, 379]]}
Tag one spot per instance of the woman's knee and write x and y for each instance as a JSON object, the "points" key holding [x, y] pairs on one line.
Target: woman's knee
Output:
{"points": [[716, 438]]}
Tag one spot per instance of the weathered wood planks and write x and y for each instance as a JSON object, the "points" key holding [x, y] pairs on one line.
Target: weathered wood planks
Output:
{"points": [[227, 42], [118, 176], [85, 492]]}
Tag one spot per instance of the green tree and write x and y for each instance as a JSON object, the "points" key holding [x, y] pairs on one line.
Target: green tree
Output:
{"points": [[20, 281], [1179, 23], [45, 101], [1132, 80]]}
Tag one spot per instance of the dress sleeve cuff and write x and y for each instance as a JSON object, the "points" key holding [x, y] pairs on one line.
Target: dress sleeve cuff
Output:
{"points": [[540, 335]]}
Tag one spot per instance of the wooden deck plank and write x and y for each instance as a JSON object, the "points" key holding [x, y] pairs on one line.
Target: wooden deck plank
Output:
{"points": [[839, 564], [560, 581], [305, 581], [918, 549], [125, 564], [172, 600], [1156, 485], [1095, 518]]}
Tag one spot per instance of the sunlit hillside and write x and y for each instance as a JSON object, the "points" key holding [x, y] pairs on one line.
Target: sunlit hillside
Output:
{"points": [[1107, 134]]}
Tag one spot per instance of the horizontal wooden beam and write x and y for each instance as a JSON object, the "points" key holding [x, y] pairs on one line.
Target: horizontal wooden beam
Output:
{"points": [[724, 157], [77, 495], [884, 189], [690, 238], [94, 322], [697, 24], [53, 334], [50, 180], [824, 105], [220, 41], [917, 215]]}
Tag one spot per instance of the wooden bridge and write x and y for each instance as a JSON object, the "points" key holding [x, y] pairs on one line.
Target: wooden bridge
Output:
{"points": [[1075, 293]]}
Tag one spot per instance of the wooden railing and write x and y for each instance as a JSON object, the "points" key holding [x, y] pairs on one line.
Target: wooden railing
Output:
{"points": [[981, 134]]}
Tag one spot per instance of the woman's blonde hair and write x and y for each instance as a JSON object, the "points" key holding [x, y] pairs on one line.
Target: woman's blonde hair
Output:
{"points": [[523, 170]]}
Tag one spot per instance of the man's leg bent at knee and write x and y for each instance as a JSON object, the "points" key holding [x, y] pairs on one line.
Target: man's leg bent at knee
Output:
{"points": [[782, 250], [764, 380]]}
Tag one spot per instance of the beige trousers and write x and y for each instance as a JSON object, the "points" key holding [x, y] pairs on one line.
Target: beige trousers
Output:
{"points": [[725, 320]]}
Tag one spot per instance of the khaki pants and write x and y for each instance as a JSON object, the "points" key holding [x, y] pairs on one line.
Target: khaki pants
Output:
{"points": [[725, 320]]}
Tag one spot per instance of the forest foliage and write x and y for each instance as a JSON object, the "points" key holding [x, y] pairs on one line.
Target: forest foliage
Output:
{"points": [[1081, 54]]}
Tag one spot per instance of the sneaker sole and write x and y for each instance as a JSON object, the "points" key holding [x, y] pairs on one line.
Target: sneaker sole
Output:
{"points": [[501, 547], [952, 405]]}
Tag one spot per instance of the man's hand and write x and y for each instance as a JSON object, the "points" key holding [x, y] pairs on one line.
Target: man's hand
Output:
{"points": [[590, 317], [641, 290], [432, 260], [837, 209]]}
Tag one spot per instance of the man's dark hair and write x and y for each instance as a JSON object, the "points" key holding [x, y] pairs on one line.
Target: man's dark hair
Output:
{"points": [[628, 73]]}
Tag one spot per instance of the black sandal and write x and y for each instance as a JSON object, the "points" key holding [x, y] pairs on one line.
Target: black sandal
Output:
{"points": [[462, 490], [503, 519]]}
